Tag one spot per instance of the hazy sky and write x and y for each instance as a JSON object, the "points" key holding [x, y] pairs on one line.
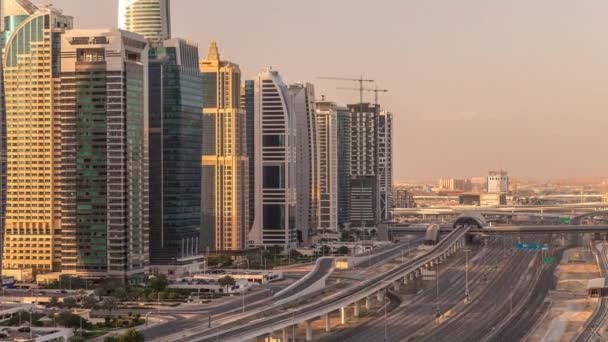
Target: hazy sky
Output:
{"points": [[475, 84]]}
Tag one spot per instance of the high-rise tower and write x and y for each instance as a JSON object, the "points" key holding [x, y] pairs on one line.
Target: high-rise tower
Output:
{"points": [[385, 164], [364, 195], [307, 153], [175, 97], [225, 185], [275, 164], [102, 108], [150, 18], [327, 128], [2, 155], [33, 207]]}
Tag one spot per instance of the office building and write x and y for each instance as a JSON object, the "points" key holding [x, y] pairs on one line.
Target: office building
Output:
{"points": [[275, 163], [149, 18], [175, 133], [344, 164], [364, 194], [102, 109], [385, 164], [327, 129], [33, 207], [225, 185], [248, 105], [307, 173], [2, 156], [498, 182]]}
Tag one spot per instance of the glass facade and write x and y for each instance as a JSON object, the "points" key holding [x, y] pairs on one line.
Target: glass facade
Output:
{"points": [[175, 149], [344, 146]]}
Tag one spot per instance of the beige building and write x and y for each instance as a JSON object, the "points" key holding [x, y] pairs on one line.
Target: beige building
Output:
{"points": [[225, 193], [33, 210]]}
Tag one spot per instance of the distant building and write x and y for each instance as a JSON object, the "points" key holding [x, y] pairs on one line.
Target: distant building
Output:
{"points": [[307, 152], [327, 128], [275, 164], [225, 187], [149, 18], [344, 164], [492, 199], [385, 164], [498, 182], [452, 184], [403, 199]]}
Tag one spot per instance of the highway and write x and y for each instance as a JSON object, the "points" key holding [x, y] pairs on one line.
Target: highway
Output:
{"points": [[345, 298], [415, 318], [600, 315], [323, 269]]}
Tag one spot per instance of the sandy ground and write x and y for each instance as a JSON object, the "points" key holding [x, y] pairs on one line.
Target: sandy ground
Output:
{"points": [[569, 306]]}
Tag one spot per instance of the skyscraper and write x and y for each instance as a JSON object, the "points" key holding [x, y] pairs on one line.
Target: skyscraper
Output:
{"points": [[33, 208], [175, 149], [307, 172], [327, 129], [248, 105], [344, 164], [385, 163], [275, 185], [225, 186], [2, 155], [150, 18], [364, 195], [102, 109]]}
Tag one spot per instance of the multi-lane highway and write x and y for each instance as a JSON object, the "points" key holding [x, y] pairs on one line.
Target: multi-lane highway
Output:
{"points": [[345, 298]]}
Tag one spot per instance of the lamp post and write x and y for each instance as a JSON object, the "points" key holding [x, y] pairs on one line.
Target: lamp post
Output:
{"points": [[466, 276]]}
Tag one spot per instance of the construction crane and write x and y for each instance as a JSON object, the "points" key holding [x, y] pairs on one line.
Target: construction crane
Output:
{"points": [[361, 81], [376, 91]]}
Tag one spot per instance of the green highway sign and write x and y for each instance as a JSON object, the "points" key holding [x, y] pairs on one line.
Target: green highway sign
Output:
{"points": [[565, 220], [549, 260]]}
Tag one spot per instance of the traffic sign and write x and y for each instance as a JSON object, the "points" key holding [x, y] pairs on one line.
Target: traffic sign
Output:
{"points": [[532, 246], [549, 260]]}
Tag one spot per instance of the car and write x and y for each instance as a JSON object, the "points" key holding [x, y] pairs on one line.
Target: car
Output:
{"points": [[24, 330]]}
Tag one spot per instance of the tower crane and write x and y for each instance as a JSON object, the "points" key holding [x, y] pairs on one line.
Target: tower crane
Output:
{"points": [[360, 80]]}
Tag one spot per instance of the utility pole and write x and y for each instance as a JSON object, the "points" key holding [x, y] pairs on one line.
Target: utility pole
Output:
{"points": [[466, 276]]}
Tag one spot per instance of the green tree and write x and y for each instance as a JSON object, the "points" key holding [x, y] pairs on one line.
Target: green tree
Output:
{"points": [[343, 250], [110, 304], [69, 320], [226, 282], [295, 254], [275, 250], [89, 302], [70, 302], [131, 335], [219, 261], [53, 303], [159, 283]]}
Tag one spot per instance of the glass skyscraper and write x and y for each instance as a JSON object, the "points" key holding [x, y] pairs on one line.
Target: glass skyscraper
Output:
{"points": [[102, 104], [344, 157], [175, 150]]}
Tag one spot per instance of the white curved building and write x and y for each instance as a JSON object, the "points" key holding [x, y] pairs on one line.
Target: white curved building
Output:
{"points": [[150, 18], [275, 162]]}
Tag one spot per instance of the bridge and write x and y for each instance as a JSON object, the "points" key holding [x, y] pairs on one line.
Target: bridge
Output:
{"points": [[354, 296]]}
